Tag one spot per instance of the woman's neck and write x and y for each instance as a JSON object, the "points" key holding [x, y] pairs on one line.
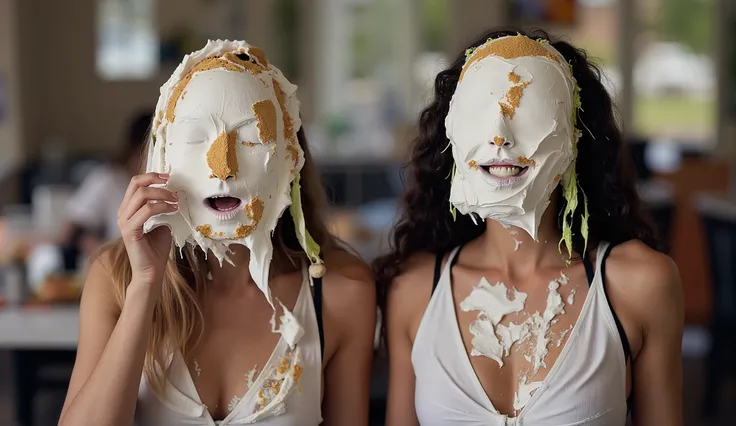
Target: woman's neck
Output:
{"points": [[237, 275], [513, 250], [230, 276]]}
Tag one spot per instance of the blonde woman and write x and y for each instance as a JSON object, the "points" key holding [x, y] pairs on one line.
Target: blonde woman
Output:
{"points": [[230, 324]]}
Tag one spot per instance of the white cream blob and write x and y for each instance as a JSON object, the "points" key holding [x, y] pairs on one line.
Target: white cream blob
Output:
{"points": [[495, 340], [492, 303], [221, 134], [524, 394], [490, 145]]}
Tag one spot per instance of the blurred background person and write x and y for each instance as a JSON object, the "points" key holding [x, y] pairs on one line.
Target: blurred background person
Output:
{"points": [[92, 209]]}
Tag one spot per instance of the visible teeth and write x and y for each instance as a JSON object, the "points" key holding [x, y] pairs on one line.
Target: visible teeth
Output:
{"points": [[504, 171]]}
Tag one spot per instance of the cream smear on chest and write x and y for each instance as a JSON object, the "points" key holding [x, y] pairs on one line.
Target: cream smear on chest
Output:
{"points": [[494, 340]]}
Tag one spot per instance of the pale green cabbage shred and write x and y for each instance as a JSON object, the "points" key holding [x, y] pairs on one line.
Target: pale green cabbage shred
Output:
{"points": [[453, 210], [311, 248], [570, 190]]}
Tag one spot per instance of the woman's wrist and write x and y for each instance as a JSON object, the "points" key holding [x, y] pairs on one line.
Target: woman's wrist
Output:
{"points": [[141, 293]]}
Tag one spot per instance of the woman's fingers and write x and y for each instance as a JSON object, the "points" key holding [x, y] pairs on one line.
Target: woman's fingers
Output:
{"points": [[139, 181], [142, 196], [133, 228]]}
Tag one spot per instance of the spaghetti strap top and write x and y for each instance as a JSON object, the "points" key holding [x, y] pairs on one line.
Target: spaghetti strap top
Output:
{"points": [[585, 386], [295, 402]]}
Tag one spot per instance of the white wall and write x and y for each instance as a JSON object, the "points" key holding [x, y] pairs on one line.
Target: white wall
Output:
{"points": [[62, 96], [471, 18]]}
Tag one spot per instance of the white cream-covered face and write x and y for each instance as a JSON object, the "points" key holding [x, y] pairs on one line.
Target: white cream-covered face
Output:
{"points": [[511, 131], [225, 131]]}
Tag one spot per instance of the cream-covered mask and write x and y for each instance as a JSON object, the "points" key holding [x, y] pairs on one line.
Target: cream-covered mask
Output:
{"points": [[225, 131], [511, 131]]}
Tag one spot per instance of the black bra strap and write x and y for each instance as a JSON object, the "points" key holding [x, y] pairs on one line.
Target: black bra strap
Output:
{"points": [[438, 266], [619, 326], [589, 269], [437, 270], [317, 284]]}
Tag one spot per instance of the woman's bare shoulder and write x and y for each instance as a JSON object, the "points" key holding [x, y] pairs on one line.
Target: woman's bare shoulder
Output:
{"points": [[644, 271], [410, 292], [349, 287], [647, 282], [99, 283], [348, 272], [416, 274], [349, 301]]}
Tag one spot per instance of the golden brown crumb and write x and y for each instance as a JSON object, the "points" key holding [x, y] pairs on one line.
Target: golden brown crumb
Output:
{"points": [[297, 372], [249, 66], [205, 230], [514, 77], [292, 153], [254, 211], [499, 141], [281, 98], [289, 132], [509, 48], [265, 112], [513, 99], [523, 161], [206, 65], [222, 157], [473, 164], [258, 54]]}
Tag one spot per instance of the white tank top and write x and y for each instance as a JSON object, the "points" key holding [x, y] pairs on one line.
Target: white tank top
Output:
{"points": [[287, 392], [585, 386]]}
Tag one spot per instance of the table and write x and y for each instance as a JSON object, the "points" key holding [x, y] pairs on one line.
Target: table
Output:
{"points": [[37, 336], [39, 327]]}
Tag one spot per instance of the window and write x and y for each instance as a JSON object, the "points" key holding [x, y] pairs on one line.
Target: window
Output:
{"points": [[596, 30], [127, 44], [674, 72]]}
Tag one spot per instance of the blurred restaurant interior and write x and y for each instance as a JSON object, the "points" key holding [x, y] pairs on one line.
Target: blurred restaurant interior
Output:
{"points": [[76, 76]]}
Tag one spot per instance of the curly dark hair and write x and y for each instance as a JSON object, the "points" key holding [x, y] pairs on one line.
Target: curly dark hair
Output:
{"points": [[603, 167]]}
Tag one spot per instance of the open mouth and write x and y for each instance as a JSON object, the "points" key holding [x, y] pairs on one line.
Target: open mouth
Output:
{"points": [[504, 171], [223, 206]]}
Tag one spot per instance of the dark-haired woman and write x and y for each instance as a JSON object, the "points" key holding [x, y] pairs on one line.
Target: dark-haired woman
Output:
{"points": [[523, 286]]}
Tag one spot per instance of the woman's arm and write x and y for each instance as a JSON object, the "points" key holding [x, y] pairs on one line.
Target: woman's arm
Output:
{"points": [[349, 312], [646, 292], [657, 369], [112, 348], [400, 409], [112, 345]]}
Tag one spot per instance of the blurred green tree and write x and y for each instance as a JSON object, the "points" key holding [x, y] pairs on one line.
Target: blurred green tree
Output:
{"points": [[689, 22], [434, 25]]}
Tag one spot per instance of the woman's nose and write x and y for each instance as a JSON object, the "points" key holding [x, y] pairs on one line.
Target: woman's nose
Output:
{"points": [[503, 136], [503, 141], [222, 157]]}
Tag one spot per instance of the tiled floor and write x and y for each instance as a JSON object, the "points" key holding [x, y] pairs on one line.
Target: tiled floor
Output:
{"points": [[49, 404]]}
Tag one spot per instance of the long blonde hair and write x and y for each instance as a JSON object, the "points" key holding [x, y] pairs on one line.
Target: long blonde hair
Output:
{"points": [[177, 316]]}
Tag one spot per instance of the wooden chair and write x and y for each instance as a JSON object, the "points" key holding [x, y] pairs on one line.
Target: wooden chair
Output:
{"points": [[718, 215]]}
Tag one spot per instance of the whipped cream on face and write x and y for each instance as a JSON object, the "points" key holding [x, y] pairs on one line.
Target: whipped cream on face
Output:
{"points": [[510, 130], [495, 340], [225, 132]]}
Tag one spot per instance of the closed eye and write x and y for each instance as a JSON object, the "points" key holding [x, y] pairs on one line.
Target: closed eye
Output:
{"points": [[245, 122], [196, 142]]}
